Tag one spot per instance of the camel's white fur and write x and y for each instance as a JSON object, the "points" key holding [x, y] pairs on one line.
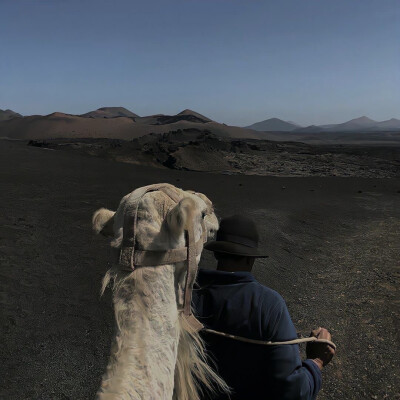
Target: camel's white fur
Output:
{"points": [[103, 222], [155, 354]]}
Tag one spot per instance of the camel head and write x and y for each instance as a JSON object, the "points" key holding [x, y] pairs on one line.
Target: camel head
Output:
{"points": [[161, 221], [156, 353]]}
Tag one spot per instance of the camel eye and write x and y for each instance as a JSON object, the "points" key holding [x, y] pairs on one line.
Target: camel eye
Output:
{"points": [[203, 214]]}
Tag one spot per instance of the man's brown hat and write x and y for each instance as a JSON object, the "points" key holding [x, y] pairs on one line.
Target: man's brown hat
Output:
{"points": [[237, 235]]}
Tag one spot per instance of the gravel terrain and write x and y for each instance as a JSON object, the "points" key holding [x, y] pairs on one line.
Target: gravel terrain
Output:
{"points": [[334, 246], [200, 150]]}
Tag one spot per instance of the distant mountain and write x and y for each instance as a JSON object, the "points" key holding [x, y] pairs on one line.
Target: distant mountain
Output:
{"points": [[182, 117], [356, 125], [120, 123], [185, 115], [107, 123], [294, 123], [195, 114], [363, 124], [325, 126], [8, 114], [110, 112], [273, 125], [390, 124], [362, 121], [309, 129]]}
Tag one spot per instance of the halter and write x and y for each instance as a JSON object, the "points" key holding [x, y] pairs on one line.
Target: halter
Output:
{"points": [[131, 258]]}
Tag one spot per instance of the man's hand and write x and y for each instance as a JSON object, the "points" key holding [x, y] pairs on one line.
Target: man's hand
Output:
{"points": [[320, 353]]}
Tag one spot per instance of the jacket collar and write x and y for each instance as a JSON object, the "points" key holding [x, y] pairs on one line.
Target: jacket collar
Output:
{"points": [[214, 277]]}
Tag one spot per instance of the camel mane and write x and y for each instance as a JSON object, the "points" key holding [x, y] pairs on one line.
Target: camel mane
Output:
{"points": [[192, 371]]}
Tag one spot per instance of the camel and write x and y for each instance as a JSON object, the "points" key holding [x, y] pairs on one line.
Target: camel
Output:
{"points": [[157, 352]]}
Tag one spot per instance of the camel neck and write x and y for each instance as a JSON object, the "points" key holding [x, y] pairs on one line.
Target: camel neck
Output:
{"points": [[144, 351]]}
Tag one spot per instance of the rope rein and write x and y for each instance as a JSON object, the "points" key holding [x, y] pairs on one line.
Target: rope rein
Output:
{"points": [[269, 343]]}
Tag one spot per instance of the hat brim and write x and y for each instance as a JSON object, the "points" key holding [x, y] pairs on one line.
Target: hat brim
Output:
{"points": [[236, 249]]}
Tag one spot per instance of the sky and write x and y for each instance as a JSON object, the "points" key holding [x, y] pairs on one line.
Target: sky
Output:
{"points": [[237, 62]]}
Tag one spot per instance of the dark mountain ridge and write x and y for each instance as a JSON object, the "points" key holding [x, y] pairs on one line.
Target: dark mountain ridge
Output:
{"points": [[273, 124], [113, 123], [120, 123], [354, 125], [110, 112], [8, 114]]}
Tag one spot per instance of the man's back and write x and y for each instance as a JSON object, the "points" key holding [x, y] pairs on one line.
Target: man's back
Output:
{"points": [[235, 303]]}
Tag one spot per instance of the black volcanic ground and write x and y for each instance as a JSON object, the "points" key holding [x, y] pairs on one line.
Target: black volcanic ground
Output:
{"points": [[200, 150], [334, 246]]}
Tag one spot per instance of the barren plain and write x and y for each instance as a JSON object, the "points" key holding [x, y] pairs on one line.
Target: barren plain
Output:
{"points": [[334, 245]]}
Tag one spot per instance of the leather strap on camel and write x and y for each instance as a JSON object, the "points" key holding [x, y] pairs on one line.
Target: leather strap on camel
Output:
{"points": [[131, 258]]}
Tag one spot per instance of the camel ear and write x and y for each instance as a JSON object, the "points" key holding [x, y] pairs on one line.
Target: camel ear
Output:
{"points": [[179, 216], [103, 221]]}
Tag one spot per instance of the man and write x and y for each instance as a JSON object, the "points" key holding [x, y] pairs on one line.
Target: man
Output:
{"points": [[230, 300]]}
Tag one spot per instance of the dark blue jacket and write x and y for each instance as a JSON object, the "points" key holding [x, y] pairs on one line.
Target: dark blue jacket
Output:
{"points": [[235, 303]]}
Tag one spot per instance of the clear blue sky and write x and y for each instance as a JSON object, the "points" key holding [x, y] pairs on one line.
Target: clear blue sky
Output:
{"points": [[238, 62]]}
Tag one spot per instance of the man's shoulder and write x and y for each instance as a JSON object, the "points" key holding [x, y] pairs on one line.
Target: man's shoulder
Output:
{"points": [[242, 284], [253, 285], [271, 294], [237, 303]]}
